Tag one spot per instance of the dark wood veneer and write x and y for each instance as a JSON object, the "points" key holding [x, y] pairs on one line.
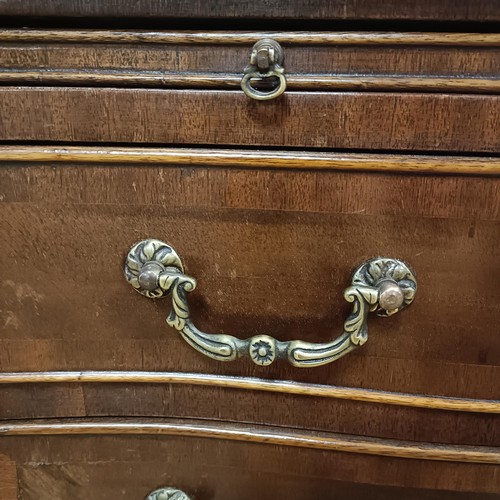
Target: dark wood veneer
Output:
{"points": [[385, 143]]}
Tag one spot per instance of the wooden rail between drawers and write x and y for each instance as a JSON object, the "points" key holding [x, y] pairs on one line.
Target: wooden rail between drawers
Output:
{"points": [[157, 79], [250, 37], [254, 434], [257, 384], [204, 157]]}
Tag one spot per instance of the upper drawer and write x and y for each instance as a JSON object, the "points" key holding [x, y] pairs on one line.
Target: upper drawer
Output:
{"points": [[384, 91], [444, 10]]}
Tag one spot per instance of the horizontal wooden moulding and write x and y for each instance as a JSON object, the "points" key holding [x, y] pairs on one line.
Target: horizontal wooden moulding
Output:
{"points": [[254, 434], [246, 383], [255, 159], [230, 81], [250, 37]]}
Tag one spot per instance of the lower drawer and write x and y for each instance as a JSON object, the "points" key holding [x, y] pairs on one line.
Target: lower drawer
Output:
{"points": [[103, 466]]}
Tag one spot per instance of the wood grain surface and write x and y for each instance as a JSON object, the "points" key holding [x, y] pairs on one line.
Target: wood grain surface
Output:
{"points": [[8, 479], [117, 78], [261, 159], [99, 399], [129, 467], [374, 419], [245, 37], [272, 251], [435, 10], [349, 120], [447, 62]]}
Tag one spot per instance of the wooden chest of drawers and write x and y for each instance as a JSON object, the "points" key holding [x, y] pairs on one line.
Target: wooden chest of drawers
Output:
{"points": [[122, 122]]}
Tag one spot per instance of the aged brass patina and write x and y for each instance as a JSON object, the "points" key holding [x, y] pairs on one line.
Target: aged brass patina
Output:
{"points": [[266, 65], [381, 285]]}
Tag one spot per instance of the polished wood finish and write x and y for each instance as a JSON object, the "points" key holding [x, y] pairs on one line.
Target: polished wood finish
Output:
{"points": [[435, 10], [219, 38], [388, 121], [385, 143], [67, 210], [212, 81], [255, 434], [114, 328], [240, 158], [355, 394]]}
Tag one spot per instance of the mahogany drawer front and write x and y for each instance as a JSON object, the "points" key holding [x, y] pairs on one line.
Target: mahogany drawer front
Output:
{"points": [[298, 119], [385, 143], [130, 467], [246, 235], [354, 90]]}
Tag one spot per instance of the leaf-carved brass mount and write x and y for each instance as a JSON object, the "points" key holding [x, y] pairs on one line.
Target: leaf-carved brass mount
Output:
{"points": [[381, 285]]}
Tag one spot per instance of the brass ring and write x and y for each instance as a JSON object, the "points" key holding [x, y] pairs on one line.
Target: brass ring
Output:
{"points": [[258, 94]]}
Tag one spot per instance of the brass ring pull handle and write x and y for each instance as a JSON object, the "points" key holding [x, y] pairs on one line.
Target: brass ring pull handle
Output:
{"points": [[266, 64], [381, 285], [167, 493]]}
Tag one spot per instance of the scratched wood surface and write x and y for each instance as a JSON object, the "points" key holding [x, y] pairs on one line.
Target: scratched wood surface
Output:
{"points": [[272, 252]]}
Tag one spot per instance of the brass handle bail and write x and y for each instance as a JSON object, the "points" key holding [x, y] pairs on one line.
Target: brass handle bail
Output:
{"points": [[381, 285], [266, 64]]}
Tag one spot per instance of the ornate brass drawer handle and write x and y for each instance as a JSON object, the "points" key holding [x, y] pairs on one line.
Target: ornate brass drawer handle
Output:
{"points": [[167, 493], [381, 285], [266, 64]]}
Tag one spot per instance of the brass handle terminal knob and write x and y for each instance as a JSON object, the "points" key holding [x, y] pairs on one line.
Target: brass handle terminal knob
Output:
{"points": [[266, 66], [381, 285]]}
